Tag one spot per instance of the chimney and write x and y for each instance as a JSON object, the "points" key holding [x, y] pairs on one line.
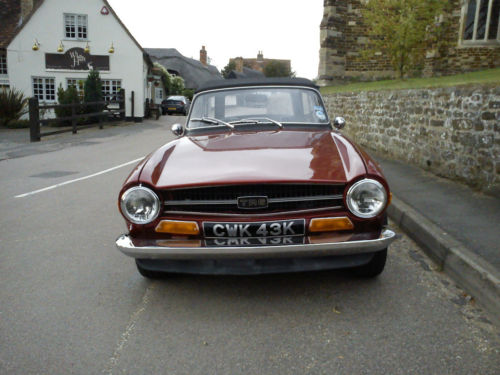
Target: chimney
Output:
{"points": [[260, 56], [203, 55], [239, 64], [26, 8]]}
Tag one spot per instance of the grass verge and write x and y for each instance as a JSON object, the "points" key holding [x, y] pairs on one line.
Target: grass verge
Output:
{"points": [[490, 76]]}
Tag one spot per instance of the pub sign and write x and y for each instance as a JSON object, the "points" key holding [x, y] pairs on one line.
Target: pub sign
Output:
{"points": [[76, 59]]}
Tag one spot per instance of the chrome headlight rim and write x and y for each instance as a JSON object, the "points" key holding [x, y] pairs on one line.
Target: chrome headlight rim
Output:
{"points": [[157, 204], [356, 186]]}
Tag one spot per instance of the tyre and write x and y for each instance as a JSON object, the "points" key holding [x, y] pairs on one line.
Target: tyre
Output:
{"points": [[163, 112], [374, 267], [148, 274]]}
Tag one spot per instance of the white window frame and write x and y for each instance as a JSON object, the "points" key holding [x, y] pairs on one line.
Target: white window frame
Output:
{"points": [[45, 95], [474, 42], [111, 88], [3, 64], [80, 24]]}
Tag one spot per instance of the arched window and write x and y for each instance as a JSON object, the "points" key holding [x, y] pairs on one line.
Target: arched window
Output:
{"points": [[481, 20]]}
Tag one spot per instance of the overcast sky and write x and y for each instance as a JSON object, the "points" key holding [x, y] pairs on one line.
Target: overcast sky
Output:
{"points": [[282, 29]]}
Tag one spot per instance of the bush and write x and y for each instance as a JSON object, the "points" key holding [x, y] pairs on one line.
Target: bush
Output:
{"points": [[13, 105], [93, 92], [188, 93], [68, 96]]}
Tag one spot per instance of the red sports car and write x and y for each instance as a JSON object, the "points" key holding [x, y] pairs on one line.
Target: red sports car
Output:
{"points": [[258, 181]]}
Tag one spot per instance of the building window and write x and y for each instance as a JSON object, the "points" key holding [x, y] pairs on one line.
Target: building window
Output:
{"points": [[159, 93], [111, 88], [3, 63], [481, 21], [44, 89], [78, 84], [75, 26]]}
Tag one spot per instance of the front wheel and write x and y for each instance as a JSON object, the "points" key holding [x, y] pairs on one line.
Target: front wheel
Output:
{"points": [[147, 273], [374, 267]]}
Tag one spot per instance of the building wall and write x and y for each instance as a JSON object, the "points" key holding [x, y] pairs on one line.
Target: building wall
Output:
{"points": [[258, 64], [453, 132], [457, 56], [343, 37], [46, 25]]}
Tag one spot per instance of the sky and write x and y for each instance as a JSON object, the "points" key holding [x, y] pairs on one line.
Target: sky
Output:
{"points": [[282, 29]]}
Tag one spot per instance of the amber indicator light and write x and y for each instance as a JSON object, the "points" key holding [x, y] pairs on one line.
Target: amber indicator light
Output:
{"points": [[331, 224], [178, 227]]}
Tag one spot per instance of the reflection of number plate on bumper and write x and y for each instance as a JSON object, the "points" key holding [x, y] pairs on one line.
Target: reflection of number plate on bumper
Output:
{"points": [[282, 228], [264, 241]]}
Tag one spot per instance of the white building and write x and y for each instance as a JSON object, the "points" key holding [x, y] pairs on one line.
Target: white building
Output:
{"points": [[48, 43]]}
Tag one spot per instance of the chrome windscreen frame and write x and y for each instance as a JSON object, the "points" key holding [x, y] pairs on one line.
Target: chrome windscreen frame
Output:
{"points": [[326, 123]]}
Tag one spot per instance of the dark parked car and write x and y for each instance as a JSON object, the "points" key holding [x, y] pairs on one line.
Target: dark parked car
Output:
{"points": [[175, 104], [248, 189]]}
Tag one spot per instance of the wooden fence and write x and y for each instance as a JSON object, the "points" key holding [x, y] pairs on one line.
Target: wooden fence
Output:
{"points": [[114, 109]]}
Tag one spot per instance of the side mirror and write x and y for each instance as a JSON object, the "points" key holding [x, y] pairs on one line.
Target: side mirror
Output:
{"points": [[178, 130], [339, 122]]}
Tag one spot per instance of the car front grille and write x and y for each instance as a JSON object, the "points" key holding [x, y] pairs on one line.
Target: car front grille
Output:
{"points": [[223, 200]]}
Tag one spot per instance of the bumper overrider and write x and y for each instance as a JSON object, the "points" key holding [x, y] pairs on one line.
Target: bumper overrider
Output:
{"points": [[192, 249]]}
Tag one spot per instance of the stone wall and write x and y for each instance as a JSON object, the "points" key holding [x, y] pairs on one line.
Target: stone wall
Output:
{"points": [[452, 132]]}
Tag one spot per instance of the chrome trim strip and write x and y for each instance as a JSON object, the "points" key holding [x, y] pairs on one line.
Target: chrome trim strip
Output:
{"points": [[246, 214], [150, 251], [188, 202], [305, 183]]}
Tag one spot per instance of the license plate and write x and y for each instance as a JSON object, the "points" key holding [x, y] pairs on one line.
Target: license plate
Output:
{"points": [[281, 228], [264, 241], [171, 109]]}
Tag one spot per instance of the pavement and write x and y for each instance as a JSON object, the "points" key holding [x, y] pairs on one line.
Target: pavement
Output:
{"points": [[455, 225]]}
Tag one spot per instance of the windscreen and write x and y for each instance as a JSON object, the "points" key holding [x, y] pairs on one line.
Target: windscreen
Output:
{"points": [[286, 105]]}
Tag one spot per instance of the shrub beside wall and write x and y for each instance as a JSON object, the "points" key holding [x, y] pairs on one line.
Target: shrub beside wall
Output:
{"points": [[453, 132]]}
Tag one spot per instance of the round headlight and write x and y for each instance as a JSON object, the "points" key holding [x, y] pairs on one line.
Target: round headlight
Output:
{"points": [[140, 205], [366, 198]]}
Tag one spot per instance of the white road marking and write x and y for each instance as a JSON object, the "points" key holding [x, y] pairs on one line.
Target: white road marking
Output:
{"points": [[78, 179]]}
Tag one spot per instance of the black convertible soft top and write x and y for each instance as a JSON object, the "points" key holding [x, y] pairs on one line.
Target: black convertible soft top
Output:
{"points": [[228, 83]]}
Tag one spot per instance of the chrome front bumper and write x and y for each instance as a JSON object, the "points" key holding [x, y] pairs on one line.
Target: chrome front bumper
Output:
{"points": [[153, 249]]}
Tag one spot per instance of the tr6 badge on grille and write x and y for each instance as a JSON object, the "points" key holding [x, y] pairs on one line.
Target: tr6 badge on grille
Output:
{"points": [[252, 203]]}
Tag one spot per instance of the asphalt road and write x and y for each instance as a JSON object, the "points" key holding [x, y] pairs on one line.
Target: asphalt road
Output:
{"points": [[70, 303]]}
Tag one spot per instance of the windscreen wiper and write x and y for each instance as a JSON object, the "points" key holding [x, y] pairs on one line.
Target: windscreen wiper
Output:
{"points": [[211, 120], [257, 121]]}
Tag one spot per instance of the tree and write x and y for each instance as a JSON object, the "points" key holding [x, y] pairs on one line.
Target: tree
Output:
{"points": [[231, 65], [68, 96], [93, 92], [177, 86], [166, 77], [402, 29], [277, 69]]}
